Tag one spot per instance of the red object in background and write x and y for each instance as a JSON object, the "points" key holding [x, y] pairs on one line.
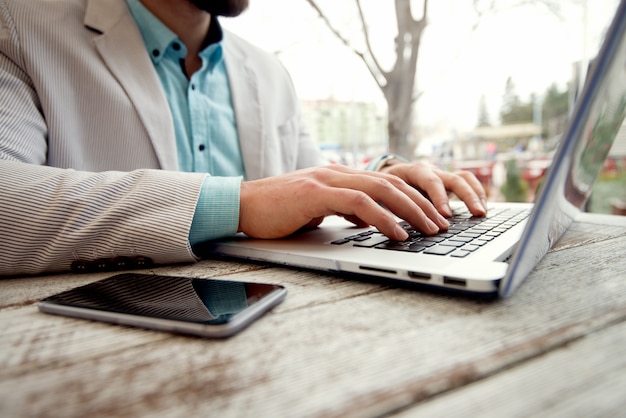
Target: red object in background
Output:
{"points": [[610, 166], [532, 175], [533, 172]]}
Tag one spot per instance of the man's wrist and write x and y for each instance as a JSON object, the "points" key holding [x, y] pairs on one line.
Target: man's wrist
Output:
{"points": [[385, 161]]}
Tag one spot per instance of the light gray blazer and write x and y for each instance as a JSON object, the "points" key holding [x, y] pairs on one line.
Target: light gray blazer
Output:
{"points": [[87, 149]]}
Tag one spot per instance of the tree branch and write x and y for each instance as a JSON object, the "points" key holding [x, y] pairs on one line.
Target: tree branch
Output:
{"points": [[368, 44], [371, 67]]}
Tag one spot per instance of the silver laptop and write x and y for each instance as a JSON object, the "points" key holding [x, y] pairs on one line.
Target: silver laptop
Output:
{"points": [[491, 255]]}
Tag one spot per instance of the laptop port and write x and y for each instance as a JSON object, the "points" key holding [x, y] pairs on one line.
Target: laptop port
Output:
{"points": [[377, 270], [419, 276], [454, 281]]}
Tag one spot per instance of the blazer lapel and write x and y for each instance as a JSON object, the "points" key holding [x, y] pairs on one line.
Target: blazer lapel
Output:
{"points": [[122, 48], [248, 112]]}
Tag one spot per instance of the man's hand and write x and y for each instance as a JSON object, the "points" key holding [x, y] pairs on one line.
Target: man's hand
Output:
{"points": [[278, 206], [436, 184]]}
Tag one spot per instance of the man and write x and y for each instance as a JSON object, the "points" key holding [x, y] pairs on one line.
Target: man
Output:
{"points": [[127, 126]]}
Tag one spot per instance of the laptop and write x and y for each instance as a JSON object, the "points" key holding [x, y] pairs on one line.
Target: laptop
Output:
{"points": [[491, 255]]}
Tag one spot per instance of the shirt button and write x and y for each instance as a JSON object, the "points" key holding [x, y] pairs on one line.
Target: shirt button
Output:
{"points": [[176, 46], [193, 87], [201, 147], [156, 53]]}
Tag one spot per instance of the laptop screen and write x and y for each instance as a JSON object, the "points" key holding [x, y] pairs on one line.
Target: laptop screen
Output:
{"points": [[594, 125]]}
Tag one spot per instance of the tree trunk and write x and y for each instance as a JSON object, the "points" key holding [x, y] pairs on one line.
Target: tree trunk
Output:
{"points": [[397, 85], [399, 91], [400, 117]]}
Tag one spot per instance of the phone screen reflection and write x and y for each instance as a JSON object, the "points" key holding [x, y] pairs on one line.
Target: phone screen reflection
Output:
{"points": [[207, 301]]}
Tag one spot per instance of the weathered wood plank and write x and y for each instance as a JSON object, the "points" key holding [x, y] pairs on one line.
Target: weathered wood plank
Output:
{"points": [[334, 348], [586, 379], [593, 228]]}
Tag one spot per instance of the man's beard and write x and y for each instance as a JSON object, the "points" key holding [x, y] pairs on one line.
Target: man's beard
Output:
{"points": [[228, 8]]}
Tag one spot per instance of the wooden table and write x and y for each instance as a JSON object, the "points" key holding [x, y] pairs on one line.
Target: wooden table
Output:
{"points": [[340, 347]]}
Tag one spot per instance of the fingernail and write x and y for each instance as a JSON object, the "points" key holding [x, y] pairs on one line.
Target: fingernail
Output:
{"points": [[400, 233], [443, 222], [484, 204], [479, 204], [432, 227], [446, 209]]}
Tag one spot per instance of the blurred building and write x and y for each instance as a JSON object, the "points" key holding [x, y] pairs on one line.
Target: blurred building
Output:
{"points": [[484, 142], [347, 131]]}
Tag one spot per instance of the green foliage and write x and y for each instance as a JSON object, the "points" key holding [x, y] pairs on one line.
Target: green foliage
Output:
{"points": [[513, 109], [555, 108], [606, 189], [515, 188], [606, 127], [555, 111], [555, 103], [521, 113]]}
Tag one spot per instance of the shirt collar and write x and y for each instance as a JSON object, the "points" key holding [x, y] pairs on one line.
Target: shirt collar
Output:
{"points": [[158, 37], [215, 34]]}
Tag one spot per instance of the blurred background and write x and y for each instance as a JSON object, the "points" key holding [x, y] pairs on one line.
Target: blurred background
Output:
{"points": [[483, 85]]}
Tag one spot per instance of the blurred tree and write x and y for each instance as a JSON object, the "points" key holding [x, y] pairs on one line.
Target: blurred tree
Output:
{"points": [[483, 114], [513, 109], [515, 189], [398, 83], [555, 111]]}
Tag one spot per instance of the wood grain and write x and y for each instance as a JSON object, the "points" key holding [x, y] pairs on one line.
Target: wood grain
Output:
{"points": [[335, 347], [586, 378]]}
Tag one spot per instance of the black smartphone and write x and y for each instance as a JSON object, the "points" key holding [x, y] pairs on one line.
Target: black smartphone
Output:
{"points": [[201, 307]]}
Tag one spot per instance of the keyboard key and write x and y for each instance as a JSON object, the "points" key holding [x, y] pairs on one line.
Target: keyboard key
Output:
{"points": [[433, 239], [421, 243], [460, 239], [470, 247], [439, 250], [469, 235], [413, 235], [394, 245], [366, 233], [415, 248], [450, 243], [372, 241]]}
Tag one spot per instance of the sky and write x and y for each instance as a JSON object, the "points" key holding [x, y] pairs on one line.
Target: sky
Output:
{"points": [[457, 65]]}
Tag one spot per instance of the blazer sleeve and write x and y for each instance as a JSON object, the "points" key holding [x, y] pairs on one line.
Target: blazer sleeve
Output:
{"points": [[52, 217]]}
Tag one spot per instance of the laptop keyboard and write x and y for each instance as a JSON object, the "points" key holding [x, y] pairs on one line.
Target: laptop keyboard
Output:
{"points": [[465, 235]]}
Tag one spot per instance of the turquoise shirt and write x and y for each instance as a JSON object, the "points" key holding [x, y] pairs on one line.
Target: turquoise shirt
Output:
{"points": [[204, 122]]}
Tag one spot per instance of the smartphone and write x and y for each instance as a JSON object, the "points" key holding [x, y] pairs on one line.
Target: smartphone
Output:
{"points": [[201, 307]]}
